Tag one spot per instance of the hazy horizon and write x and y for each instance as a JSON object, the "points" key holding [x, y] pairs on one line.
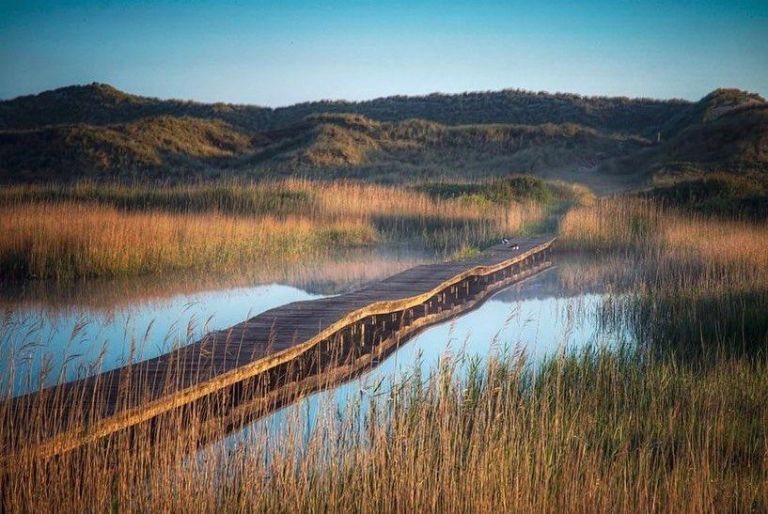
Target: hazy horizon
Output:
{"points": [[278, 55]]}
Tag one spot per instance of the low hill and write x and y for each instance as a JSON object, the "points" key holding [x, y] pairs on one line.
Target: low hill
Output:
{"points": [[726, 131], [99, 131], [713, 106], [353, 145], [101, 104], [152, 144], [328, 145]]}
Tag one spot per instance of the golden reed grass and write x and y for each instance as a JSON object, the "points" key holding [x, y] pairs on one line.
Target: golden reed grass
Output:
{"points": [[88, 230], [65, 240], [691, 251], [698, 282], [598, 431], [603, 430]]}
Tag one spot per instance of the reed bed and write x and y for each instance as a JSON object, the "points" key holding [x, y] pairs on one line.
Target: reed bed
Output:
{"points": [[676, 421], [87, 230], [644, 226], [325, 275], [697, 280], [595, 431], [64, 240]]}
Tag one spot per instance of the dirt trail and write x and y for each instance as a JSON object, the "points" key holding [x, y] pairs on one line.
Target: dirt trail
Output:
{"points": [[602, 184]]}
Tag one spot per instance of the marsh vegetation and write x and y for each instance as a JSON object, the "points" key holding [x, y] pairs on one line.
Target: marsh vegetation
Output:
{"points": [[92, 230], [674, 417]]}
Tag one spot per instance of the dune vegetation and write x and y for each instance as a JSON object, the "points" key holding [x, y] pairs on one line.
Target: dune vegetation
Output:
{"points": [[100, 104], [100, 133]]}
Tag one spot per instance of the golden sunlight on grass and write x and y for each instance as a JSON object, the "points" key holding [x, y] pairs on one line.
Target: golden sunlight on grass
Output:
{"points": [[598, 431], [701, 282], [89, 230], [673, 420], [660, 235], [69, 240]]}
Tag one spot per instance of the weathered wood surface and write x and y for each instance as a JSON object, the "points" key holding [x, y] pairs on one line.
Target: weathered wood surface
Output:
{"points": [[122, 397]]}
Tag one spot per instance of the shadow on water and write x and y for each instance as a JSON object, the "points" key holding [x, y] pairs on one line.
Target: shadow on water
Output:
{"points": [[555, 310], [539, 317], [50, 332]]}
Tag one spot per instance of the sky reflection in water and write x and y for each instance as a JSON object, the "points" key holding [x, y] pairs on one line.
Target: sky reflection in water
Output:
{"points": [[526, 318], [154, 327], [534, 317]]}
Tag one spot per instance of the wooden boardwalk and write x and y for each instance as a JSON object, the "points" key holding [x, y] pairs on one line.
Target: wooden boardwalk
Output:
{"points": [[259, 354]]}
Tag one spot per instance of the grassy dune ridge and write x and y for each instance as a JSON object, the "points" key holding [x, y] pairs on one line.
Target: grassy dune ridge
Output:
{"points": [[101, 133], [84, 230]]}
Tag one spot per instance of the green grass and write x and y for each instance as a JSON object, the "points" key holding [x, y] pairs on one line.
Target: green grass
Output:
{"points": [[725, 195], [514, 188]]}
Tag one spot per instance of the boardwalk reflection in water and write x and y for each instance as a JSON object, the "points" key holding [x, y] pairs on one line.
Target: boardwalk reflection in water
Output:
{"points": [[152, 328], [92, 325], [220, 378], [537, 318]]}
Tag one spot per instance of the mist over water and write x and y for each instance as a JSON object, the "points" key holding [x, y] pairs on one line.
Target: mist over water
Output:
{"points": [[67, 336], [532, 320]]}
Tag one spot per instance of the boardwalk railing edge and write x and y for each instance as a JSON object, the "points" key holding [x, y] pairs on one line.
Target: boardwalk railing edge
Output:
{"points": [[71, 439]]}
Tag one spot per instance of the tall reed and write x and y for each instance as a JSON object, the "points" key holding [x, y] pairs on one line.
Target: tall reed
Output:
{"points": [[654, 427], [595, 431], [698, 280], [65, 240], [87, 229]]}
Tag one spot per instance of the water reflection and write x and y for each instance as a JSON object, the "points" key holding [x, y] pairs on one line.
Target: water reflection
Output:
{"points": [[535, 319], [50, 333], [344, 271], [555, 310], [80, 342]]}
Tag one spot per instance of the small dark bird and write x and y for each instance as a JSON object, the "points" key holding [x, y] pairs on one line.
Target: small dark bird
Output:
{"points": [[515, 246], [505, 241]]}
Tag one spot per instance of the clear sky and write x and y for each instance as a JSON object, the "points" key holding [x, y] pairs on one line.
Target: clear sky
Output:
{"points": [[278, 53]]}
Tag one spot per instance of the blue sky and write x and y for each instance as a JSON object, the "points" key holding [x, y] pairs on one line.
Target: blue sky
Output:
{"points": [[278, 53]]}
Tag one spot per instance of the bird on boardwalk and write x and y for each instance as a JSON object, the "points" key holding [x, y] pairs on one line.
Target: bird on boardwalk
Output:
{"points": [[505, 241]]}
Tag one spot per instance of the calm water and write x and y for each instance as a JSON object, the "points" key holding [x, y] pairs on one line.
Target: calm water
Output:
{"points": [[535, 319], [74, 331], [77, 338], [67, 335]]}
